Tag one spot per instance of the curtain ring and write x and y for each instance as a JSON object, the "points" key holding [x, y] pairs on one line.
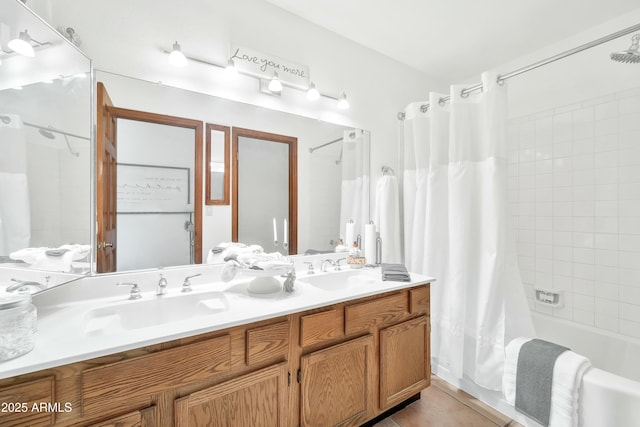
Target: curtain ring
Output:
{"points": [[424, 108], [401, 116], [441, 101], [500, 80], [464, 93]]}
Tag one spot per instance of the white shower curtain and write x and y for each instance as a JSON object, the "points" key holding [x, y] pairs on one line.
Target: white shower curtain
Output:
{"points": [[15, 212], [354, 200], [460, 234]]}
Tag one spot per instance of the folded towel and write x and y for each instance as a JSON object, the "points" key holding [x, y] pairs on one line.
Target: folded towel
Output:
{"points": [[568, 371], [536, 362], [395, 272]]}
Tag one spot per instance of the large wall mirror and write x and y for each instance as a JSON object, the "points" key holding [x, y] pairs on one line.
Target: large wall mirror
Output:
{"points": [[49, 123], [45, 152], [318, 169]]}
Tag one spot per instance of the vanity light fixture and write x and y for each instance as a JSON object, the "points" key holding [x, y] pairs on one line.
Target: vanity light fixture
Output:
{"points": [[22, 44], [312, 92], [343, 104], [274, 84], [176, 57]]}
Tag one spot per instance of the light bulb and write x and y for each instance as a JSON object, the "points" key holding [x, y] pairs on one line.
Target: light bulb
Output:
{"points": [[312, 92], [274, 84], [230, 70], [176, 57], [343, 104], [22, 44]]}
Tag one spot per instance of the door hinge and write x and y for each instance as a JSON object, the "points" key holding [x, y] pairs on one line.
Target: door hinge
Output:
{"points": [[299, 375]]}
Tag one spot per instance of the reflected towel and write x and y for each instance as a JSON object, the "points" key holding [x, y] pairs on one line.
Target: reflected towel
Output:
{"points": [[568, 372]]}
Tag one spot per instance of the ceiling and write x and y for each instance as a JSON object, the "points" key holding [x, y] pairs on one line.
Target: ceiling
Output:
{"points": [[455, 39]]}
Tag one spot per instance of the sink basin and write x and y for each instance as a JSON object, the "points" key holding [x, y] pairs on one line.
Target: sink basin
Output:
{"points": [[343, 279], [129, 315]]}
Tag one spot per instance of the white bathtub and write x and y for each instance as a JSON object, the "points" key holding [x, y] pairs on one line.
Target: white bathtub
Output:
{"points": [[610, 393]]}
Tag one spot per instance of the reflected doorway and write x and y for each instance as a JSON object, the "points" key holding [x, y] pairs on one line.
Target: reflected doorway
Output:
{"points": [[265, 190]]}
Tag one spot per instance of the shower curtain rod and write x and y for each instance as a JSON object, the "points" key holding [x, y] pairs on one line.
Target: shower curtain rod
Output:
{"points": [[502, 77], [312, 149], [54, 130]]}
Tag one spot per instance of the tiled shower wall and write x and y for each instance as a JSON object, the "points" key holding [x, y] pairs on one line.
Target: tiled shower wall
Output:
{"points": [[574, 191]]}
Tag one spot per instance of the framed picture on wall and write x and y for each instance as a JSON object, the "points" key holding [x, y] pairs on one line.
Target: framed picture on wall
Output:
{"points": [[153, 189]]}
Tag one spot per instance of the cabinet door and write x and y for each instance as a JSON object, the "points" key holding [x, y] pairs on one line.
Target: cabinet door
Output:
{"points": [[404, 361], [338, 384], [256, 399]]}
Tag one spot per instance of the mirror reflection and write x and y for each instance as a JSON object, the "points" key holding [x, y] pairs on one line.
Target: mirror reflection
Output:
{"points": [[323, 169], [46, 113], [45, 153]]}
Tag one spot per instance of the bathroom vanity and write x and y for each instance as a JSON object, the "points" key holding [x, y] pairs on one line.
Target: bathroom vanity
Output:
{"points": [[342, 349]]}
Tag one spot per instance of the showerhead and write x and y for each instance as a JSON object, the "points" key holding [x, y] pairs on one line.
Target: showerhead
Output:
{"points": [[47, 133], [631, 55]]}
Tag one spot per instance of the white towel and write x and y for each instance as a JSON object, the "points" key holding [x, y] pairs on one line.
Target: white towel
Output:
{"points": [[387, 218], [568, 371]]}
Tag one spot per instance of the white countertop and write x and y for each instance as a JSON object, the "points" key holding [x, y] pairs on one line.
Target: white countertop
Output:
{"points": [[62, 339]]}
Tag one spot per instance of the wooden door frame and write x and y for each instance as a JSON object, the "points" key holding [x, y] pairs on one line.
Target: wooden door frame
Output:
{"points": [[197, 126], [293, 180]]}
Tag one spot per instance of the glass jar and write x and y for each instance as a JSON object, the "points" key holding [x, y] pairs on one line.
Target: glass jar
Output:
{"points": [[18, 324]]}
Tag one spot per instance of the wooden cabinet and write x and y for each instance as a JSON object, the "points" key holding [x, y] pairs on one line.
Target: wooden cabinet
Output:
{"points": [[336, 384], [256, 399], [404, 361], [18, 403], [338, 365]]}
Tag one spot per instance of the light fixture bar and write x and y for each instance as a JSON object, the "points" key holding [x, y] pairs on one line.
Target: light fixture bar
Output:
{"points": [[340, 98]]}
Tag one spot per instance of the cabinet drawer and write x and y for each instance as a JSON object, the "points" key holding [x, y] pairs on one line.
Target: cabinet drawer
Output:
{"points": [[319, 327], [131, 383], [419, 300], [386, 310], [20, 399], [267, 342]]}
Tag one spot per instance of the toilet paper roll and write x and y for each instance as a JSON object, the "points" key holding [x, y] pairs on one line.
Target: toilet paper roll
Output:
{"points": [[350, 235], [370, 243]]}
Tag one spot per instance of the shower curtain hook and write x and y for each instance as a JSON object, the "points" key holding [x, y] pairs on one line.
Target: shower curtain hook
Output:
{"points": [[441, 101], [464, 93], [424, 108], [500, 80], [401, 116]]}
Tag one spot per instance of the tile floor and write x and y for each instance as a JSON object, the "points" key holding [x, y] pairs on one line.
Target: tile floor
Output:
{"points": [[439, 408]]}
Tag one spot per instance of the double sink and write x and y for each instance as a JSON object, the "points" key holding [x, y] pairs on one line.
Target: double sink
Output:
{"points": [[128, 315]]}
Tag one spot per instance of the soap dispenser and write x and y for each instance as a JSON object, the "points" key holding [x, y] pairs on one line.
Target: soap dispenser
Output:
{"points": [[355, 259]]}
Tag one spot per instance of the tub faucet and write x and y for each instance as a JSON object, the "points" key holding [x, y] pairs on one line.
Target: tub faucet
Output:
{"points": [[162, 286]]}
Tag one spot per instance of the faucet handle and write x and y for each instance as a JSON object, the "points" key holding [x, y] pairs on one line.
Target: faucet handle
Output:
{"points": [[186, 285], [337, 268], [162, 286], [135, 290], [310, 270]]}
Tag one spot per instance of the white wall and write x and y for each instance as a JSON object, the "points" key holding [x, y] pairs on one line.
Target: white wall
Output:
{"points": [[574, 187]]}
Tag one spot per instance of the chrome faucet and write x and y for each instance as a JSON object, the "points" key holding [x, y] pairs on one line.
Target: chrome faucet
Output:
{"points": [[186, 285], [328, 261], [135, 290], [162, 286], [310, 270]]}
